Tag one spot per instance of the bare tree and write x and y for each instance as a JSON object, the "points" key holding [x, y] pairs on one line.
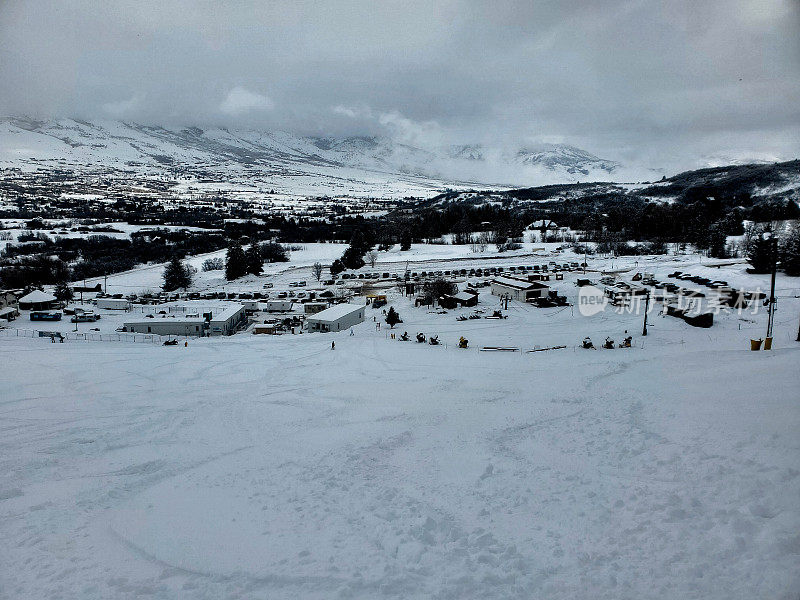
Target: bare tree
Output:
{"points": [[480, 242], [316, 270], [371, 257]]}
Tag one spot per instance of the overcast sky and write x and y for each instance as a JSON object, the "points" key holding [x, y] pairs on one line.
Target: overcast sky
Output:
{"points": [[666, 82]]}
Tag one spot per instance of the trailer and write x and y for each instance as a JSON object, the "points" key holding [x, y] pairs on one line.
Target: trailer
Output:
{"points": [[278, 305], [113, 304], [45, 316]]}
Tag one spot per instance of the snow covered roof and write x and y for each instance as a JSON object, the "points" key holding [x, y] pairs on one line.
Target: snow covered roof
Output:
{"points": [[336, 312], [169, 319], [37, 296], [519, 284], [225, 312], [463, 296]]}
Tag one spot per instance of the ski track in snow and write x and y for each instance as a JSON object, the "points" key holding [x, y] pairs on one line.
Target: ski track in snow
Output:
{"points": [[282, 469]]}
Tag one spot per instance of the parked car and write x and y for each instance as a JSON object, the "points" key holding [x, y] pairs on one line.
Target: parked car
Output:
{"points": [[84, 318]]}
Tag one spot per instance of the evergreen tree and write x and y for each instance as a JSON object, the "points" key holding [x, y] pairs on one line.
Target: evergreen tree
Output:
{"points": [[255, 262], [717, 241], [176, 275], [63, 291], [405, 240], [273, 252], [392, 318], [336, 267], [790, 253], [353, 256], [235, 262], [760, 251]]}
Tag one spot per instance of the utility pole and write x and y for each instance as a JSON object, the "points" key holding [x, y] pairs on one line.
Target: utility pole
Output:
{"points": [[646, 308], [771, 308]]}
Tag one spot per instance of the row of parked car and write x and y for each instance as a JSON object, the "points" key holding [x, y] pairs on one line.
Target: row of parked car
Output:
{"points": [[369, 276], [717, 283], [480, 272]]}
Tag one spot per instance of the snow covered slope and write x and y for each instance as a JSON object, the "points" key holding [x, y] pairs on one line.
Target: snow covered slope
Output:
{"points": [[277, 468], [28, 143]]}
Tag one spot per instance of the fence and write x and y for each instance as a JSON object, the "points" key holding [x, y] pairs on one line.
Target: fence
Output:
{"points": [[145, 338]]}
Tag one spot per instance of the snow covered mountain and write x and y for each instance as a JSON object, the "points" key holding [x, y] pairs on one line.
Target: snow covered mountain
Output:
{"points": [[379, 164]]}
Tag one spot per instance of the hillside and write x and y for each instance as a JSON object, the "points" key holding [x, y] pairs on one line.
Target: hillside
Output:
{"points": [[775, 182], [290, 163]]}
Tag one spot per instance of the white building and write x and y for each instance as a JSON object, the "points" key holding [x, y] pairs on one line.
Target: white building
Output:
{"points": [[37, 300], [169, 325], [520, 290], [339, 317], [226, 320], [222, 319]]}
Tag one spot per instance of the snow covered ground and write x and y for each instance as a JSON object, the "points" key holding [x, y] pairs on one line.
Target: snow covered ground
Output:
{"points": [[275, 467]]}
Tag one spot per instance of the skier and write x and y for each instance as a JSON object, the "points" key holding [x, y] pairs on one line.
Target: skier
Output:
{"points": [[333, 345]]}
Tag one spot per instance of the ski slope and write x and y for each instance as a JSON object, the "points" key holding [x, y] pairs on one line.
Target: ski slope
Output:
{"points": [[275, 467]]}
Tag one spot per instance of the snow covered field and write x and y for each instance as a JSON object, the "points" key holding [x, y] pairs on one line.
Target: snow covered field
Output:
{"points": [[275, 467]]}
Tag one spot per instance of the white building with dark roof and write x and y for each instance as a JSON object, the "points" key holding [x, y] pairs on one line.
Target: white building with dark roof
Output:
{"points": [[37, 300]]}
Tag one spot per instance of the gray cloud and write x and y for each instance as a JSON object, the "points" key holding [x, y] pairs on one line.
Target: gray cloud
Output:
{"points": [[664, 83]]}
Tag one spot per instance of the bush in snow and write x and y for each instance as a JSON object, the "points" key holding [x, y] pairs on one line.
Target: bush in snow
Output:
{"points": [[213, 264]]}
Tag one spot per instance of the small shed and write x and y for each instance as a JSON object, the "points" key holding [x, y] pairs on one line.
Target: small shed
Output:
{"points": [[9, 313], [38, 300], [337, 318], [461, 299], [265, 329], [466, 298]]}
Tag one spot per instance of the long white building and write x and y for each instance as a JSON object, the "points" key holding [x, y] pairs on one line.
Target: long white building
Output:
{"points": [[222, 319]]}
